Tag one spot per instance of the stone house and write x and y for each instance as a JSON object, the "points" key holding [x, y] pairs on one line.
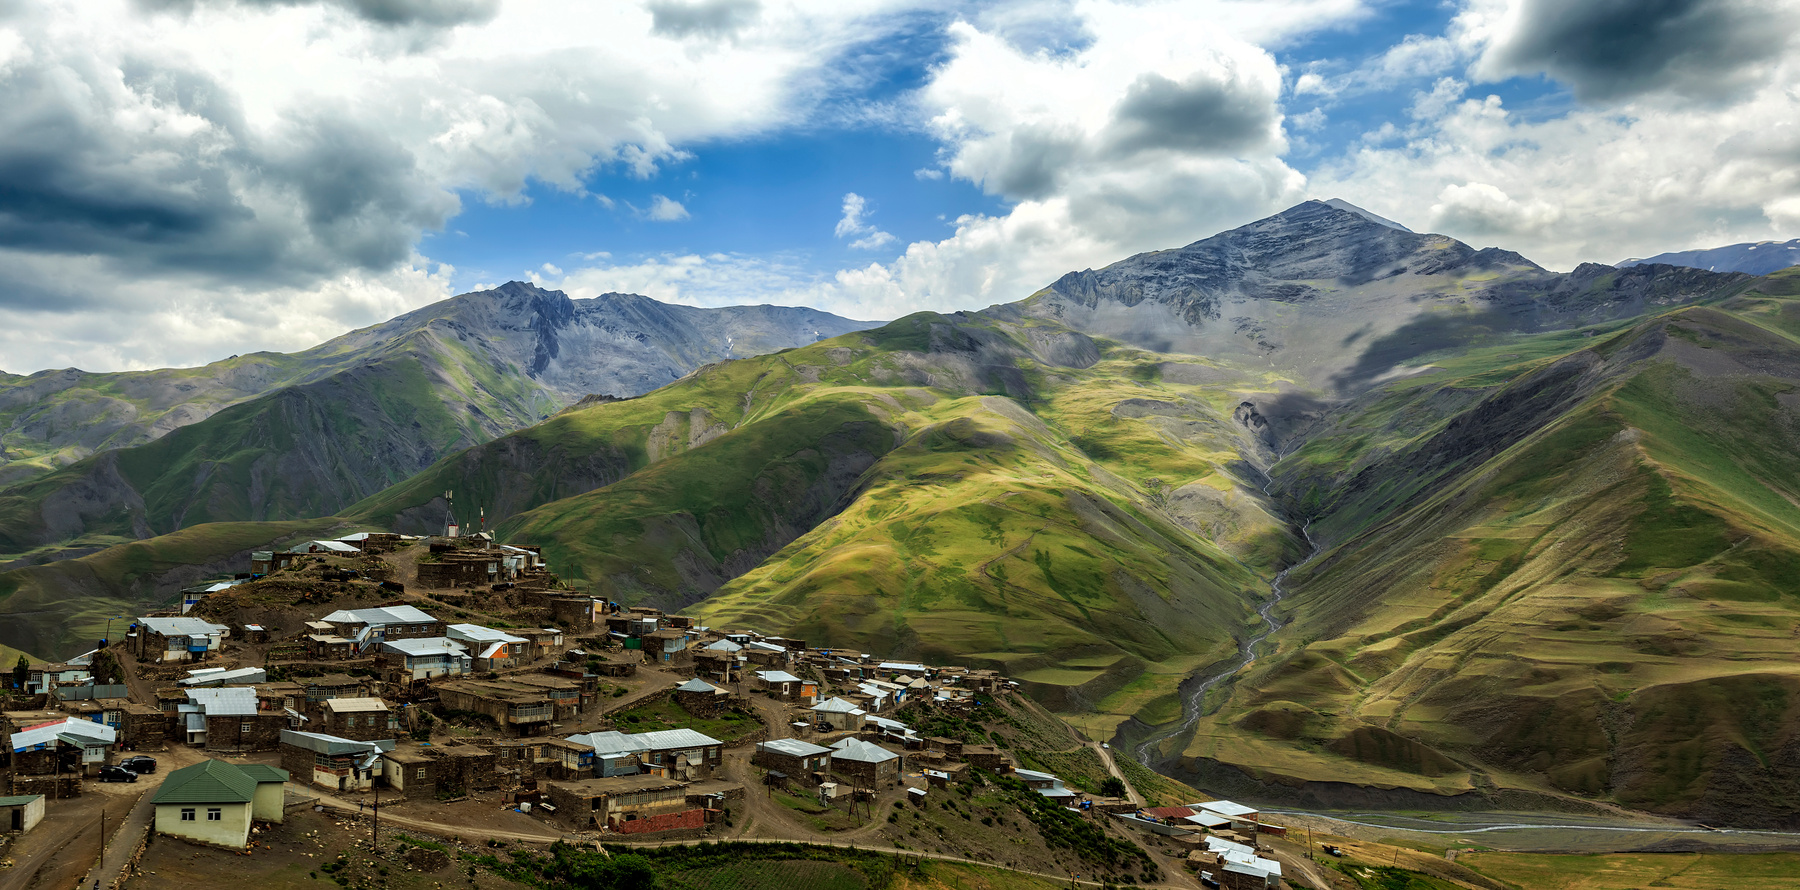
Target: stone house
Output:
{"points": [[332, 763], [425, 658], [516, 707], [865, 764], [702, 699], [798, 759], [68, 745], [836, 714], [367, 627], [163, 640], [619, 802], [492, 650], [229, 719], [359, 719]]}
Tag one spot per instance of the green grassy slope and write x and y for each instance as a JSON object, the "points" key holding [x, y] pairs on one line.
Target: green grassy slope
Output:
{"points": [[61, 608], [307, 450], [940, 487], [1584, 580]]}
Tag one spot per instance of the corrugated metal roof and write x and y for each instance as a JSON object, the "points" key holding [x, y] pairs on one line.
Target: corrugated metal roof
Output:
{"points": [[182, 627], [777, 677], [88, 730], [228, 701], [478, 633], [381, 616], [427, 646], [330, 744], [836, 706], [795, 747], [859, 751]]}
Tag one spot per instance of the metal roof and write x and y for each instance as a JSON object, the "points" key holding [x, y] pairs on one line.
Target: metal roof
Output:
{"points": [[241, 675], [1226, 808], [347, 705], [612, 742], [478, 633], [335, 546], [321, 743], [777, 677], [229, 701], [183, 627], [859, 751], [379, 617], [723, 646], [696, 685], [427, 646], [836, 706], [209, 781], [90, 732], [795, 747], [19, 800]]}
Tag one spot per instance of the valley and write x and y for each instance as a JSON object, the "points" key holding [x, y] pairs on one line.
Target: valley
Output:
{"points": [[1534, 537]]}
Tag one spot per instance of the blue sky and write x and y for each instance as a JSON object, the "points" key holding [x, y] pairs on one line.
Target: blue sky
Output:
{"points": [[185, 179]]}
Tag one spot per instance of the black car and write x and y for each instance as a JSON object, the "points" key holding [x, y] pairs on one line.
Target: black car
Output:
{"points": [[139, 764], [117, 774]]}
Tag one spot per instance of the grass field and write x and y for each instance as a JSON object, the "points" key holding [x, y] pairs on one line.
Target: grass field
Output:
{"points": [[667, 714], [1635, 871]]}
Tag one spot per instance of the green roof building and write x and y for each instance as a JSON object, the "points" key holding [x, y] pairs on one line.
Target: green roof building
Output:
{"points": [[214, 802]]}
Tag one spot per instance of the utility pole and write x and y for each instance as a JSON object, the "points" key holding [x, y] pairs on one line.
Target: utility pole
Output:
{"points": [[375, 826]]}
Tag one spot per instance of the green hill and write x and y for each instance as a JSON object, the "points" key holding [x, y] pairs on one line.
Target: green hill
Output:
{"points": [[1556, 515], [1577, 575]]}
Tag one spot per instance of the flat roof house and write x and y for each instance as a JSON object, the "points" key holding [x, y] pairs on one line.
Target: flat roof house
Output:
{"points": [[214, 802], [626, 804], [21, 813]]}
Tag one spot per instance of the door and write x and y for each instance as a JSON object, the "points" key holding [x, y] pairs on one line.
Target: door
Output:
{"points": [[18, 819]]}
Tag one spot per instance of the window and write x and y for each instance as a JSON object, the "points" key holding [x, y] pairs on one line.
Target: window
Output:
{"points": [[187, 814], [215, 814], [421, 773], [243, 727]]}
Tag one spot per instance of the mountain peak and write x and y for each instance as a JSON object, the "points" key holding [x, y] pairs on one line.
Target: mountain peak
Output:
{"points": [[1346, 206]]}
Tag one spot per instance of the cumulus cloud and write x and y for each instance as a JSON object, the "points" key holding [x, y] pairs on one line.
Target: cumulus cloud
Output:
{"points": [[1607, 50], [704, 18], [1589, 185], [855, 222], [665, 209], [431, 13], [1159, 126], [167, 153]]}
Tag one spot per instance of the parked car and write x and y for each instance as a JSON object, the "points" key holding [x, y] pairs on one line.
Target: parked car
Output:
{"points": [[117, 774], [139, 764]]}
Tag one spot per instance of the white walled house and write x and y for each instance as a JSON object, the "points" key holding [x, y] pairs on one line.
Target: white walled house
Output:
{"points": [[214, 802]]}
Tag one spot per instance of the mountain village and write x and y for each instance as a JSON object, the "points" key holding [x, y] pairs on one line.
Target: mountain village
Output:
{"points": [[458, 688]]}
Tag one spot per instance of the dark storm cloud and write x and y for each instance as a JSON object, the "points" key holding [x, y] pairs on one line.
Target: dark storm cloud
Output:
{"points": [[1204, 115], [427, 13], [706, 18], [1617, 49], [198, 193]]}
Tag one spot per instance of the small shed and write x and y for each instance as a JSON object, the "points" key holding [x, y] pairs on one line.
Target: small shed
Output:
{"points": [[21, 813]]}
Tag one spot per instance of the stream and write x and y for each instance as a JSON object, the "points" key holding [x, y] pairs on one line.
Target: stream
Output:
{"points": [[1192, 706]]}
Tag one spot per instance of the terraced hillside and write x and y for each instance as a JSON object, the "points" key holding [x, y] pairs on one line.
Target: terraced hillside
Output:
{"points": [[313, 432]]}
